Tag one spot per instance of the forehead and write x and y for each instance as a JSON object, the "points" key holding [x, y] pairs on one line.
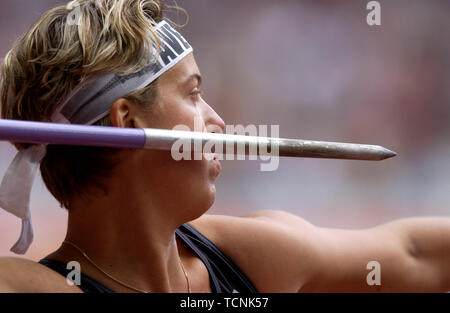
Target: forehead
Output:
{"points": [[181, 71]]}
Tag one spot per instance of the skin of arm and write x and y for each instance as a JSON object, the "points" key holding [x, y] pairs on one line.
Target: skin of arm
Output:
{"points": [[281, 252], [26, 276]]}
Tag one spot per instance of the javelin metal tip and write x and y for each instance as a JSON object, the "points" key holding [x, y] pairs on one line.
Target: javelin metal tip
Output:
{"points": [[388, 153]]}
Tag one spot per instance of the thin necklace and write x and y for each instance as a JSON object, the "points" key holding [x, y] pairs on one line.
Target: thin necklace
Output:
{"points": [[119, 281]]}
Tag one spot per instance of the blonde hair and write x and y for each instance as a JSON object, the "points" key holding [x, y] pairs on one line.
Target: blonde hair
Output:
{"points": [[55, 55]]}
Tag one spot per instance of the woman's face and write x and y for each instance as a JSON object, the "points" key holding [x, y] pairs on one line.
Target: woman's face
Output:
{"points": [[188, 185]]}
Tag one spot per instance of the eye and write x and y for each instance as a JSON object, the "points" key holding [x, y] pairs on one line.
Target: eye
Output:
{"points": [[196, 94]]}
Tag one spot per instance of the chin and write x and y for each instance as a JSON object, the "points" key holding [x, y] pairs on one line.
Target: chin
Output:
{"points": [[209, 198], [212, 196], [204, 203]]}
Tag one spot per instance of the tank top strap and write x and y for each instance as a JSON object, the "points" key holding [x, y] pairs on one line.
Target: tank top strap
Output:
{"points": [[87, 284], [225, 275]]}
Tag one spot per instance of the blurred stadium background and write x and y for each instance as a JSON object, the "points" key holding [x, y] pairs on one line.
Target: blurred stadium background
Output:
{"points": [[319, 71]]}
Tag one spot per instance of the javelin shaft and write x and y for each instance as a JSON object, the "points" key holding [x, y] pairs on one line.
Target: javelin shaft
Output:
{"points": [[162, 139]]}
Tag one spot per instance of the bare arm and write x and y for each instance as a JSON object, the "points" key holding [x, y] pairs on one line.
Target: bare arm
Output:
{"points": [[281, 252], [413, 254], [429, 242], [26, 276], [6, 283]]}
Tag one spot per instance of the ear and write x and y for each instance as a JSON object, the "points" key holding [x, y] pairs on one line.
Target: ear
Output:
{"points": [[121, 113]]}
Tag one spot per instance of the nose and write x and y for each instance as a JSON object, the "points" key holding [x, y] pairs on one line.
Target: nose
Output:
{"points": [[213, 122]]}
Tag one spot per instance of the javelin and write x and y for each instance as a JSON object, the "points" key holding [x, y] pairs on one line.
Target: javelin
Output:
{"points": [[163, 139]]}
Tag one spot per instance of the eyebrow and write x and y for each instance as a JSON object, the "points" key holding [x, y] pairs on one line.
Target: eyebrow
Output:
{"points": [[196, 76]]}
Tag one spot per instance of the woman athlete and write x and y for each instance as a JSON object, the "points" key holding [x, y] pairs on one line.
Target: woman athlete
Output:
{"points": [[136, 218]]}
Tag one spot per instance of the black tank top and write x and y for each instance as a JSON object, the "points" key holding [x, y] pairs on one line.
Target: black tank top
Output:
{"points": [[224, 275]]}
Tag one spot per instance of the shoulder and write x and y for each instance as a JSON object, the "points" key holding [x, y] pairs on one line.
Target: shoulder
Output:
{"points": [[264, 224], [266, 245], [23, 275]]}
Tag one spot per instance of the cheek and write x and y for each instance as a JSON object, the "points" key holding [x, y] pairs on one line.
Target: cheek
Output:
{"points": [[185, 176], [194, 175], [192, 183], [174, 112]]}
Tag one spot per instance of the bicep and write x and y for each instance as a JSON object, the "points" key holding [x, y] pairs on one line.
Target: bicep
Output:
{"points": [[281, 252], [379, 259], [325, 259]]}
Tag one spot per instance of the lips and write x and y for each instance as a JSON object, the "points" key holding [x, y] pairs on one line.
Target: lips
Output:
{"points": [[213, 161], [217, 164]]}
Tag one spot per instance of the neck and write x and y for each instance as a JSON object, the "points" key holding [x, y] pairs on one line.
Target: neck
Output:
{"points": [[130, 236]]}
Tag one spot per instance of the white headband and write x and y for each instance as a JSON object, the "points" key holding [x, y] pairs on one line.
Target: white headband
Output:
{"points": [[88, 103]]}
